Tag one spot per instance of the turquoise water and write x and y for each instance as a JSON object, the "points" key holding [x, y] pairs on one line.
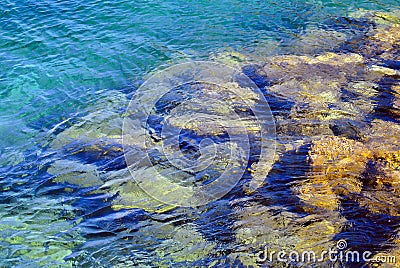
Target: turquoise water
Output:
{"points": [[59, 58], [56, 56]]}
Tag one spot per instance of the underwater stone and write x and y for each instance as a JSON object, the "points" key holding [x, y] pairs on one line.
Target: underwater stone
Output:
{"points": [[316, 40], [103, 120], [390, 18], [187, 245], [130, 195], [378, 17], [395, 110], [384, 70], [257, 226], [66, 171], [322, 90], [339, 59], [383, 43], [383, 139], [382, 201], [365, 89], [277, 229], [301, 128], [215, 125], [369, 172], [97, 125], [329, 65], [233, 59], [336, 166], [39, 236]]}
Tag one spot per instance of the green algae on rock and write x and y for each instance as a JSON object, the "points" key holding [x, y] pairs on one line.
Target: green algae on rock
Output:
{"points": [[97, 125], [331, 103], [35, 237], [104, 121], [73, 172], [261, 229], [97, 135], [315, 39], [186, 246], [387, 18]]}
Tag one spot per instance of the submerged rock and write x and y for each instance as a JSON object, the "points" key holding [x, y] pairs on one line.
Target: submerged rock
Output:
{"points": [[383, 201], [324, 91], [382, 45], [131, 195], [103, 121], [381, 18], [261, 230], [233, 59], [221, 116], [341, 168], [395, 109], [383, 192], [73, 172], [186, 246], [39, 236], [367, 171], [384, 70], [336, 166], [325, 108], [105, 125], [382, 138]]}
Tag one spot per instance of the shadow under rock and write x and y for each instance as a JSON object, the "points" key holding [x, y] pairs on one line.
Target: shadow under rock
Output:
{"points": [[384, 108]]}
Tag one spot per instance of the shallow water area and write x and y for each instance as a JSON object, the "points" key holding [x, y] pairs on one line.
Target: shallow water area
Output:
{"points": [[328, 69]]}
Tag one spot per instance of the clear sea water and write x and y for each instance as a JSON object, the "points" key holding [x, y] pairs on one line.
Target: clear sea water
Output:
{"points": [[58, 57]]}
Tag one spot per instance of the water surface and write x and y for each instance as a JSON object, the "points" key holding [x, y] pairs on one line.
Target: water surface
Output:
{"points": [[62, 60]]}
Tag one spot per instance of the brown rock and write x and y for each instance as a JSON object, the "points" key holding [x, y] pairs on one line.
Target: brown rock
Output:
{"points": [[383, 139], [336, 165], [387, 37], [383, 173], [322, 90]]}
